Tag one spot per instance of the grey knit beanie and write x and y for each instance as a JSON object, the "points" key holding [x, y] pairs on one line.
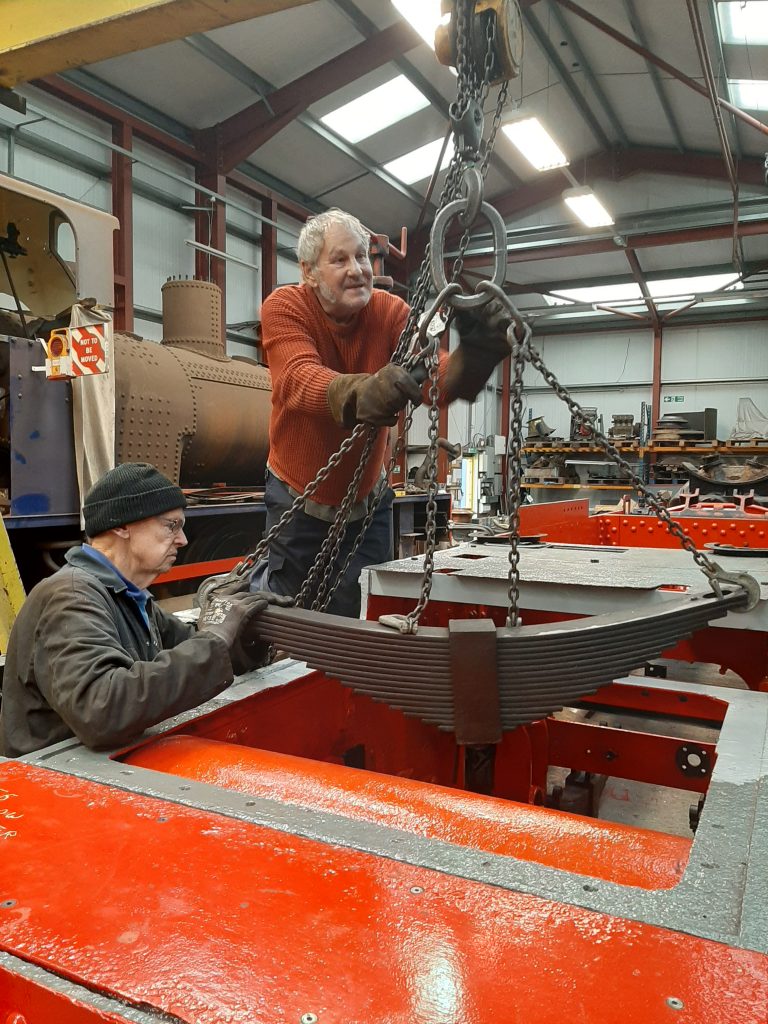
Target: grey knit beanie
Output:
{"points": [[128, 493]]}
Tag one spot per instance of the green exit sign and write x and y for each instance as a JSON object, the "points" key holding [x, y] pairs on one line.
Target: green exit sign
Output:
{"points": [[674, 398]]}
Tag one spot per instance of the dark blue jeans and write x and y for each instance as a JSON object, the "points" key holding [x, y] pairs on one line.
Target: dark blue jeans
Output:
{"points": [[293, 551]]}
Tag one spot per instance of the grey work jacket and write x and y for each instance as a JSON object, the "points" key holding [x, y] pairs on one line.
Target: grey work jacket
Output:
{"points": [[81, 661]]}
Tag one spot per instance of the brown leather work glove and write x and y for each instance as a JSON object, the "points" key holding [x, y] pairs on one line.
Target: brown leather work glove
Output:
{"points": [[483, 343], [233, 618], [372, 398]]}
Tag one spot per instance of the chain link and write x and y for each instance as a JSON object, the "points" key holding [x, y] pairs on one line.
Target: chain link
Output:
{"points": [[515, 466], [319, 575], [262, 547], [431, 509]]}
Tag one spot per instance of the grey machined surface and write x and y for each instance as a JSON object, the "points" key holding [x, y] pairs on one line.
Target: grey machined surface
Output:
{"points": [[722, 896], [78, 994], [577, 578]]}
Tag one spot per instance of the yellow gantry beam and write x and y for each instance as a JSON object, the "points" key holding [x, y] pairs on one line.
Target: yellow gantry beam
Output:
{"points": [[40, 37], [11, 588]]}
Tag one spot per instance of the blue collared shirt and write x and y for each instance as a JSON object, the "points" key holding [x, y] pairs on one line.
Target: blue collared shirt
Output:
{"points": [[136, 593]]}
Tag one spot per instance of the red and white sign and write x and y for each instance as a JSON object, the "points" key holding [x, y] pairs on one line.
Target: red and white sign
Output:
{"points": [[88, 350]]}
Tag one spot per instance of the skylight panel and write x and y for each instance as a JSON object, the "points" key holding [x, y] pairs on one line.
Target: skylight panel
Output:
{"points": [[749, 94], [535, 143], [420, 163], [602, 293], [744, 23], [376, 109], [679, 287], [690, 286], [423, 15]]}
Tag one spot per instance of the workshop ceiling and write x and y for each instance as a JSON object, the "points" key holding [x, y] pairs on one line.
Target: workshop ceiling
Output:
{"points": [[646, 142]]}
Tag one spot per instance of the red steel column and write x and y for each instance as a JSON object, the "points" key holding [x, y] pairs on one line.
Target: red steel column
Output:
{"points": [[211, 218], [656, 378], [122, 241], [268, 248]]}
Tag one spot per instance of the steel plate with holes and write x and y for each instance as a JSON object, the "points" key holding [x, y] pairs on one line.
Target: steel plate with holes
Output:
{"points": [[567, 578]]}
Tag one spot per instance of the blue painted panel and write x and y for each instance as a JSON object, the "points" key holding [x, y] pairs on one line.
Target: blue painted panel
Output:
{"points": [[43, 474]]}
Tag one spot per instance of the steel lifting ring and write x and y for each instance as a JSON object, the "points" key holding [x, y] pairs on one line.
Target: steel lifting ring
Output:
{"points": [[437, 251]]}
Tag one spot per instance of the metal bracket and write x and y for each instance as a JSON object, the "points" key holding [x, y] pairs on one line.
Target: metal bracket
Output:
{"points": [[474, 681]]}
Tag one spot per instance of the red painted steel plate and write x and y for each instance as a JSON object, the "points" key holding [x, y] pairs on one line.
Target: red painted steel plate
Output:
{"points": [[216, 920], [599, 849]]}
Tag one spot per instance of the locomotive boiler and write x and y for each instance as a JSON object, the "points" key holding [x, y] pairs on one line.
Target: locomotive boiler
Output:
{"points": [[182, 404]]}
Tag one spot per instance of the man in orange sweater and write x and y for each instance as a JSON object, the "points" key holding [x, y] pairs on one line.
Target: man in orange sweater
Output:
{"points": [[328, 343]]}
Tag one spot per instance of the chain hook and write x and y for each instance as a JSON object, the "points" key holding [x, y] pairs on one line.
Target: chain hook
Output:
{"points": [[472, 189], [431, 327], [717, 576]]}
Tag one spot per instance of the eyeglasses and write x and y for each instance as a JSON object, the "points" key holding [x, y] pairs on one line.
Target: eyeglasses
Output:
{"points": [[173, 526]]}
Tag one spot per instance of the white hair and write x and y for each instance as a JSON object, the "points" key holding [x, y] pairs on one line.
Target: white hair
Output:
{"points": [[312, 236]]}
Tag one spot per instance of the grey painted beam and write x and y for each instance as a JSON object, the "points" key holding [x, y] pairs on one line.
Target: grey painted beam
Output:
{"points": [[653, 71], [217, 55], [589, 74], [566, 78], [723, 74]]}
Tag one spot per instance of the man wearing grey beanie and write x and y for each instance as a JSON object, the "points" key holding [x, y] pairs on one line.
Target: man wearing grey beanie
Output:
{"points": [[91, 655]]}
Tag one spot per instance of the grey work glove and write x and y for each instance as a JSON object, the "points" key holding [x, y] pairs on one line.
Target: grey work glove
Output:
{"points": [[483, 343], [234, 619], [224, 585], [373, 398]]}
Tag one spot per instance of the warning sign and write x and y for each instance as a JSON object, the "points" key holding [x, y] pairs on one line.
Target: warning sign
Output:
{"points": [[77, 351], [88, 350]]}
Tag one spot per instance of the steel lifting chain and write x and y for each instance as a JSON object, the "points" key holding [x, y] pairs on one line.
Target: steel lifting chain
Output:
{"points": [[466, 174], [319, 575], [462, 198], [519, 335], [472, 89], [250, 560]]}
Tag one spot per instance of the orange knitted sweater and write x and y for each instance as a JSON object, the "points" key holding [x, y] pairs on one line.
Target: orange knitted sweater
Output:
{"points": [[305, 351]]}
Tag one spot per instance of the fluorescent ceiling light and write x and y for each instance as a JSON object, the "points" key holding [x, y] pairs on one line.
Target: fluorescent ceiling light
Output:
{"points": [[749, 94], [420, 163], [423, 15], [376, 109], [587, 207], [744, 23], [535, 143]]}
